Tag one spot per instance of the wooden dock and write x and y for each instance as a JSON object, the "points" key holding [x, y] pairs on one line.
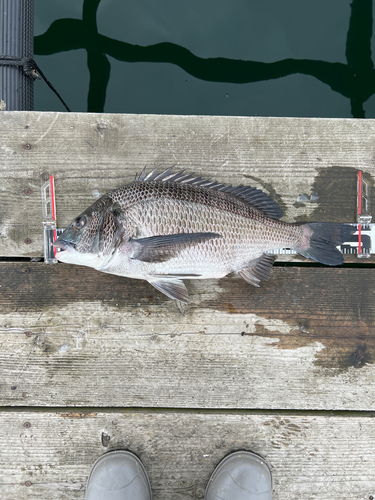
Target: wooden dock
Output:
{"points": [[93, 362]]}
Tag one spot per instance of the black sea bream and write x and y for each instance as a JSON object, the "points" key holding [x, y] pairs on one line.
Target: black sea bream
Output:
{"points": [[166, 227]]}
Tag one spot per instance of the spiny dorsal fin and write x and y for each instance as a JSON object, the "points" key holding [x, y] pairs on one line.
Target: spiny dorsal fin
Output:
{"points": [[254, 196]]}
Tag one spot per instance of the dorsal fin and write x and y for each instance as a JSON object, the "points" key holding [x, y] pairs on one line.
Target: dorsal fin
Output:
{"points": [[254, 196]]}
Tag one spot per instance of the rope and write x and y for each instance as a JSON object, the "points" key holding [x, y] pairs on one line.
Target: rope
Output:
{"points": [[25, 62], [31, 69]]}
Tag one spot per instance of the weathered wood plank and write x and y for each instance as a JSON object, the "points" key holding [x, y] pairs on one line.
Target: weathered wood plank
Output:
{"points": [[315, 457], [287, 157], [303, 340], [72, 337]]}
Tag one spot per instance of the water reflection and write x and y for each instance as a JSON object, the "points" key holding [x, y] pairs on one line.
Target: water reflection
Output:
{"points": [[354, 80]]}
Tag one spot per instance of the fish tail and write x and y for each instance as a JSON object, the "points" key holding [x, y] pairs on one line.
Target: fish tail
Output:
{"points": [[319, 242]]}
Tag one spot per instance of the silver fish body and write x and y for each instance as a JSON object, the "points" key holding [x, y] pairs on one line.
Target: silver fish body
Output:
{"points": [[170, 226]]}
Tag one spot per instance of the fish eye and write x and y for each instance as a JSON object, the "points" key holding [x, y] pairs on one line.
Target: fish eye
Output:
{"points": [[80, 222]]}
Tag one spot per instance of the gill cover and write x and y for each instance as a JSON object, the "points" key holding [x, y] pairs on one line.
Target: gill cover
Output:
{"points": [[96, 231]]}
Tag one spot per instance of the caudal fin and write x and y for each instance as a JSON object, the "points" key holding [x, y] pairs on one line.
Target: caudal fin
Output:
{"points": [[320, 240]]}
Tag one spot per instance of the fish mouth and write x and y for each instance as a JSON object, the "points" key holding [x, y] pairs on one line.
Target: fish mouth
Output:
{"points": [[62, 247]]}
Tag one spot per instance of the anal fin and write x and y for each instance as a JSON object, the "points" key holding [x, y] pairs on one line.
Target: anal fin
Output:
{"points": [[259, 269], [172, 288]]}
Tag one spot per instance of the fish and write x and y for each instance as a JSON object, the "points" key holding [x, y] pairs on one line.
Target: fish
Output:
{"points": [[170, 226]]}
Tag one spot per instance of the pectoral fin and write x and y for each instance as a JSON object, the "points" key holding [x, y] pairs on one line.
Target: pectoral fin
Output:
{"points": [[172, 288], [163, 248]]}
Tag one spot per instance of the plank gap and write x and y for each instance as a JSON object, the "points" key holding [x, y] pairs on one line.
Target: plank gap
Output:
{"points": [[87, 411], [21, 259]]}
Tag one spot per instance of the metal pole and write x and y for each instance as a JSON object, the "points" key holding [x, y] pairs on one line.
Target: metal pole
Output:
{"points": [[16, 41]]}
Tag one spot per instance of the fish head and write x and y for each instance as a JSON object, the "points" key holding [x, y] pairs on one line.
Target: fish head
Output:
{"points": [[92, 237]]}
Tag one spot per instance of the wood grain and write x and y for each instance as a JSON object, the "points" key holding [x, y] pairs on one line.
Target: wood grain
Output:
{"points": [[240, 363], [286, 157], [314, 457], [72, 336]]}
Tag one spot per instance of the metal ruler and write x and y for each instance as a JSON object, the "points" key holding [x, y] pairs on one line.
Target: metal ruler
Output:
{"points": [[361, 243]]}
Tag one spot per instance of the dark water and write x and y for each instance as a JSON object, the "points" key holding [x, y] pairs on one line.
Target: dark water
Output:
{"points": [[223, 57]]}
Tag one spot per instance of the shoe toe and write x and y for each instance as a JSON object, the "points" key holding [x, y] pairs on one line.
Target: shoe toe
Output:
{"points": [[241, 475], [118, 476]]}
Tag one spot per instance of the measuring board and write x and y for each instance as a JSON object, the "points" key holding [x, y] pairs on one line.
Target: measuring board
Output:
{"points": [[361, 243]]}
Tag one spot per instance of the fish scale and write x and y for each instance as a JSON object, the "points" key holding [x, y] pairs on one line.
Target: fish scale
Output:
{"points": [[143, 191], [251, 237], [168, 226]]}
